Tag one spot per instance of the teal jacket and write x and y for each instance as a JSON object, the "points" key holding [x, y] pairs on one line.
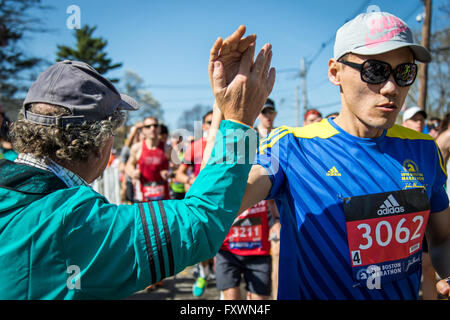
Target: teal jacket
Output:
{"points": [[8, 154], [71, 243]]}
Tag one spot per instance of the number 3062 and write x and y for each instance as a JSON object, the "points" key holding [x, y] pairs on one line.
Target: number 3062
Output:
{"points": [[401, 234]]}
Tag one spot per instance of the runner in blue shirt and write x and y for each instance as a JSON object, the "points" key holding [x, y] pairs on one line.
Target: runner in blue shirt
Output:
{"points": [[61, 239], [357, 193]]}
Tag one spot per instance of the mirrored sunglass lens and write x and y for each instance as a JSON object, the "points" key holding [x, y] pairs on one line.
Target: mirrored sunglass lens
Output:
{"points": [[375, 72], [406, 73]]}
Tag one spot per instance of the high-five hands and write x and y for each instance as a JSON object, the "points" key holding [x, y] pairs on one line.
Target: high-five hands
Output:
{"points": [[240, 85]]}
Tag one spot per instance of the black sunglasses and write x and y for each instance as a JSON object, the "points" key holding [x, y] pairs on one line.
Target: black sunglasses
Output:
{"points": [[268, 111], [376, 72], [434, 125], [151, 125]]}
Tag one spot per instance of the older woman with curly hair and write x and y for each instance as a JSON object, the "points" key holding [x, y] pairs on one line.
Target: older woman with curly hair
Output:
{"points": [[73, 146], [61, 239]]}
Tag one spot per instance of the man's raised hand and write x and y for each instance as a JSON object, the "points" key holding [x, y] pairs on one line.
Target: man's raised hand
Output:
{"points": [[240, 85], [229, 52]]}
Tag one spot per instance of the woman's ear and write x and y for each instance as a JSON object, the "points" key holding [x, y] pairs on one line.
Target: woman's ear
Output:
{"points": [[103, 151], [97, 153], [334, 72]]}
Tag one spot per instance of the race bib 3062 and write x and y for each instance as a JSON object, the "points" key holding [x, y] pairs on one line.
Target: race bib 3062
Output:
{"points": [[385, 233]]}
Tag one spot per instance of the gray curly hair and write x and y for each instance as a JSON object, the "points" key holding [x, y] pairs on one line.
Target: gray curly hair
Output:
{"points": [[72, 143]]}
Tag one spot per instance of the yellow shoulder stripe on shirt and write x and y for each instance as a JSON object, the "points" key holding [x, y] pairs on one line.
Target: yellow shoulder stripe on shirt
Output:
{"points": [[273, 133], [321, 129], [405, 133], [401, 132]]}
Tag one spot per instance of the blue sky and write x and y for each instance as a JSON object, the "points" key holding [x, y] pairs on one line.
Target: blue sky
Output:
{"points": [[167, 43]]}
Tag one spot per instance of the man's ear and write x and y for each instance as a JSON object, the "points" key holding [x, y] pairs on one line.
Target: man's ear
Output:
{"points": [[334, 72]]}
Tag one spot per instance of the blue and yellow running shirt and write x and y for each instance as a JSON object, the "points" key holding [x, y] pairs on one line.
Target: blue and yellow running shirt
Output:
{"points": [[353, 210]]}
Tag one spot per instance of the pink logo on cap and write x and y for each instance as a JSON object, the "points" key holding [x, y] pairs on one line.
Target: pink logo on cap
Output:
{"points": [[382, 29]]}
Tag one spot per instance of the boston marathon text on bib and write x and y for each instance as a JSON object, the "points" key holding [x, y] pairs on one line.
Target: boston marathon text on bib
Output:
{"points": [[385, 233]]}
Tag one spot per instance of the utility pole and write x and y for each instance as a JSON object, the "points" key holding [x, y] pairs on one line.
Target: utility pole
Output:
{"points": [[3, 35], [303, 76], [297, 106], [423, 68]]}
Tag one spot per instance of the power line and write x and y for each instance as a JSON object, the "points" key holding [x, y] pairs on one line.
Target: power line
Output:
{"points": [[319, 84], [186, 99], [331, 39], [414, 11], [329, 104], [177, 86], [305, 64], [287, 70]]}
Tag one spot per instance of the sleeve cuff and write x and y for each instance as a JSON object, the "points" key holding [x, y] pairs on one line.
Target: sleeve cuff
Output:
{"points": [[236, 121]]}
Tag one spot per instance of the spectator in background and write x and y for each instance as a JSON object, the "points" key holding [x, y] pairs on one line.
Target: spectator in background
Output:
{"points": [[443, 139], [433, 126], [163, 133], [177, 189], [311, 116], [252, 246], [149, 163], [266, 125], [173, 162], [414, 118], [194, 154], [135, 135], [246, 251], [266, 119], [186, 173], [332, 115]]}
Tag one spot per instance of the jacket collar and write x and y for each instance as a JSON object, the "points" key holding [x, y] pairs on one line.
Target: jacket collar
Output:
{"points": [[27, 179]]}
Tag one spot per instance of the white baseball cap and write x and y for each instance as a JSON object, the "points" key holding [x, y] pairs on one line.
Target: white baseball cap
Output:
{"points": [[375, 33], [411, 112]]}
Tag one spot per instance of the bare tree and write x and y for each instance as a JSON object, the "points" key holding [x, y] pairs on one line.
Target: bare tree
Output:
{"points": [[439, 77], [438, 71], [17, 63], [189, 117], [133, 85]]}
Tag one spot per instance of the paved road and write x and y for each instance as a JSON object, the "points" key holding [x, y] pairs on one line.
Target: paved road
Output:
{"points": [[178, 287]]}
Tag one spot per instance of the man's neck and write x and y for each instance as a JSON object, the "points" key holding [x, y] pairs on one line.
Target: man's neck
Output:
{"points": [[354, 126]]}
